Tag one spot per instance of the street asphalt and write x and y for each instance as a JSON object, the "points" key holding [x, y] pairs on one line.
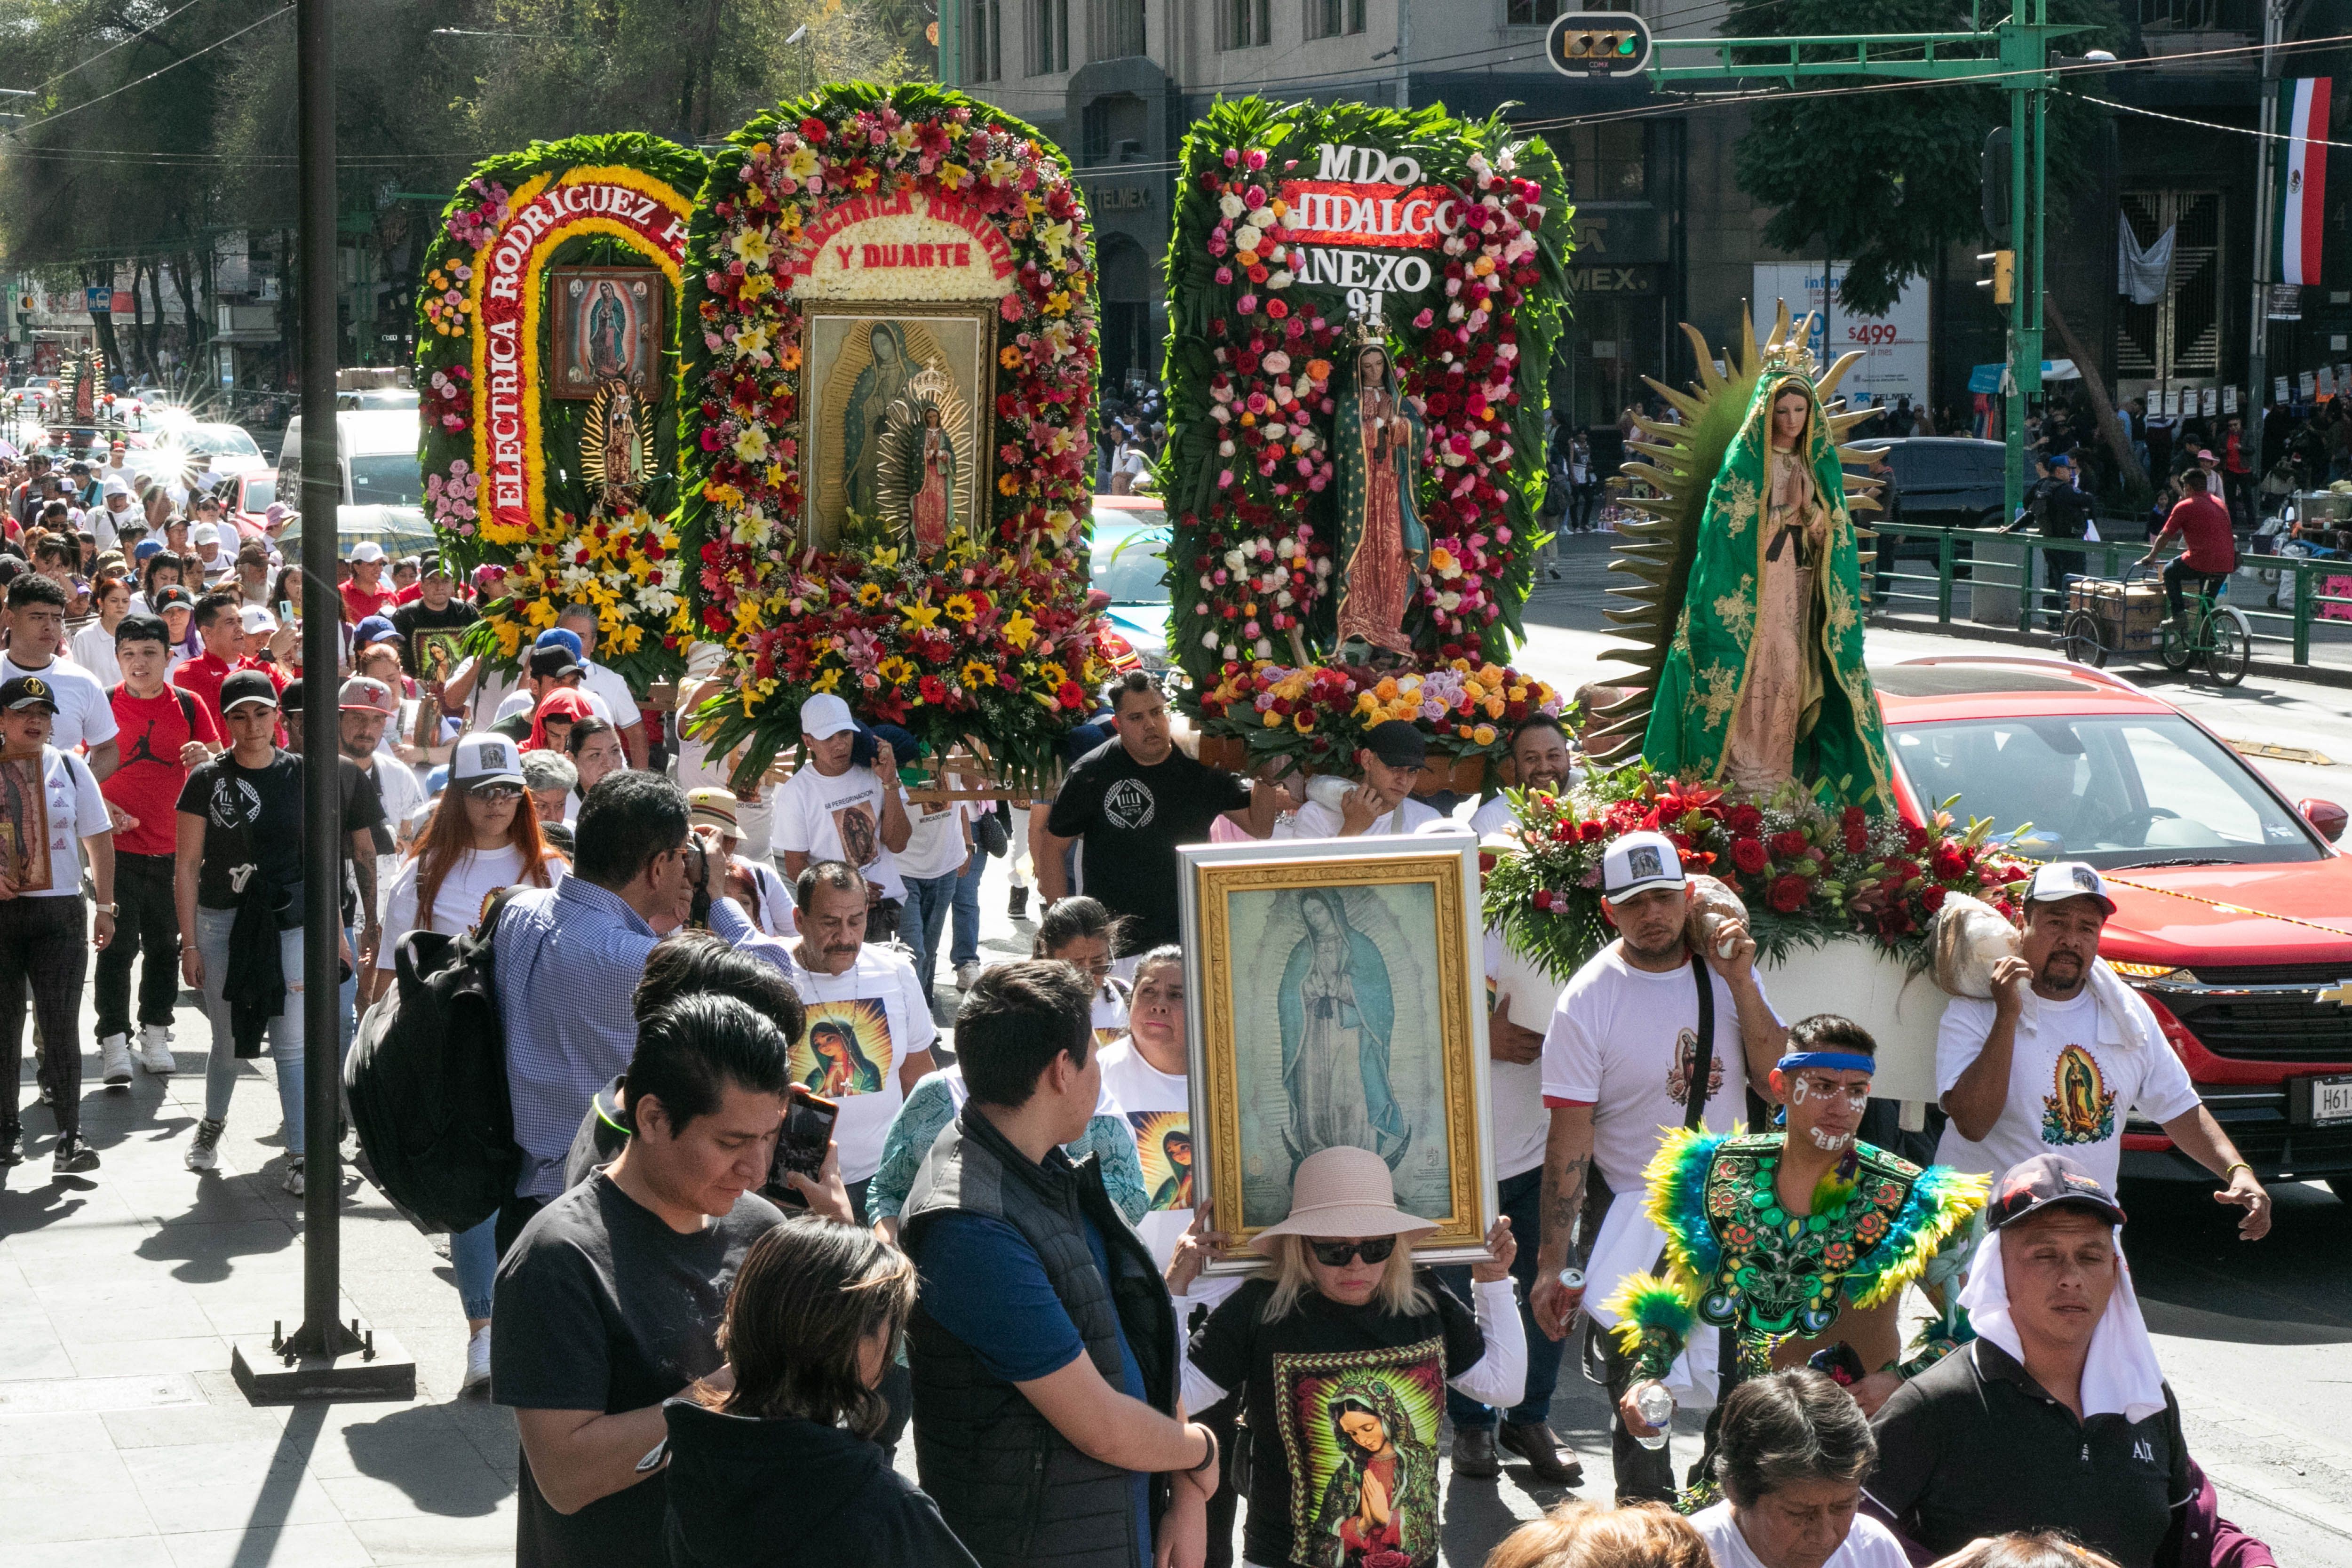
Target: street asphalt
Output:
{"points": [[123, 1440]]}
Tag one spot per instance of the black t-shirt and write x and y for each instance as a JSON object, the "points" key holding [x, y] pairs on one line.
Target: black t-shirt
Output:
{"points": [[415, 617], [253, 816], [2111, 1484], [602, 1306], [1132, 819], [1341, 1401]]}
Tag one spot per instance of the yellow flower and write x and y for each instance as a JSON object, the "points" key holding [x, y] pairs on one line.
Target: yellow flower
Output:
{"points": [[886, 559], [1051, 674], [540, 612], [802, 163], [1493, 707], [953, 175], [895, 669], [1484, 735], [827, 681], [1058, 303], [1009, 358], [1019, 629], [960, 609], [921, 617], [1483, 265], [1491, 675], [1272, 718], [869, 595], [1006, 485], [751, 444], [976, 675], [1367, 704], [752, 244]]}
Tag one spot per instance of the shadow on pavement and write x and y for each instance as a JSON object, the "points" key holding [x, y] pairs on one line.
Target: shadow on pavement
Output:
{"points": [[420, 1450], [2198, 1280]]}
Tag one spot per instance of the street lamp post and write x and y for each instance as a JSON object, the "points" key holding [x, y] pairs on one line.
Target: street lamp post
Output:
{"points": [[324, 1358]]}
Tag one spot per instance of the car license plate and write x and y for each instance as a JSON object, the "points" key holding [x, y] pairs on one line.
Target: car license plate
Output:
{"points": [[2331, 1101]]}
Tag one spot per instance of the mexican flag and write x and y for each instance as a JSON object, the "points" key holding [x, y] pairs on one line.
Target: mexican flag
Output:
{"points": [[2302, 179]]}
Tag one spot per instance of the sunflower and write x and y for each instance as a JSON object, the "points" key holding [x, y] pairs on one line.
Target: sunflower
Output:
{"points": [[961, 608], [976, 675], [869, 595]]}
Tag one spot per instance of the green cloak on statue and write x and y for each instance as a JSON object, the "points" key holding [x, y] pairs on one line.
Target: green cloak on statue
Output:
{"points": [[1763, 678]]}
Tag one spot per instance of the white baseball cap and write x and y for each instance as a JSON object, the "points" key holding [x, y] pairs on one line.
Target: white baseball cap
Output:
{"points": [[480, 759], [367, 549], [1637, 863], [258, 622], [2068, 880], [114, 485], [825, 714]]}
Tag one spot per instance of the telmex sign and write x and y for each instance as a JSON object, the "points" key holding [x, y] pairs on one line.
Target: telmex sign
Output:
{"points": [[1363, 196]]}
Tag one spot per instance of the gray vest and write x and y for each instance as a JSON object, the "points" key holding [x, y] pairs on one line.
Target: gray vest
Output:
{"points": [[1011, 1486]]}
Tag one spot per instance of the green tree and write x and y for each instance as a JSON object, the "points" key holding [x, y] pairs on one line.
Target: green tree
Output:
{"points": [[1888, 179]]}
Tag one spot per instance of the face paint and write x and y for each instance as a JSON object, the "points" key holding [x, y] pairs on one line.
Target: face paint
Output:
{"points": [[1796, 1093], [1827, 1142]]}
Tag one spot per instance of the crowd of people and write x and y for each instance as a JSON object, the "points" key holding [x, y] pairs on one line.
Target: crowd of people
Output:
{"points": [[716, 1335]]}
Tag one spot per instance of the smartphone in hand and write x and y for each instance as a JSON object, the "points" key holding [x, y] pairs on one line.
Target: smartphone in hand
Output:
{"points": [[800, 1146]]}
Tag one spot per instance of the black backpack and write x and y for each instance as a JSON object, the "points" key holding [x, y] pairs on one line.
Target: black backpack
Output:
{"points": [[427, 1079]]}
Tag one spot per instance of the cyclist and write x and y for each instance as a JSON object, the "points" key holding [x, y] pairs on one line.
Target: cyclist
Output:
{"points": [[2209, 550]]}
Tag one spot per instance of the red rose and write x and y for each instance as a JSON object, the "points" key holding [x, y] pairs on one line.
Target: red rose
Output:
{"points": [[1950, 861], [1932, 900], [1915, 837], [1790, 845], [1592, 830], [1749, 855], [1542, 899], [1744, 821], [1788, 893]]}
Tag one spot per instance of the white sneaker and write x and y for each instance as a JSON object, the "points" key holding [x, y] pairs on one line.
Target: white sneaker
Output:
{"points": [[204, 1153], [478, 1365], [114, 1059], [154, 1051], [966, 972]]}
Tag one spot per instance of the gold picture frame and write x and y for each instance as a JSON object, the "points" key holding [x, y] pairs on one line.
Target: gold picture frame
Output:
{"points": [[951, 347], [1274, 931], [606, 325]]}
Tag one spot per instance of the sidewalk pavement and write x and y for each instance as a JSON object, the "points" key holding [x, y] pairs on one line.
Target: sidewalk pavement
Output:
{"points": [[123, 1438]]}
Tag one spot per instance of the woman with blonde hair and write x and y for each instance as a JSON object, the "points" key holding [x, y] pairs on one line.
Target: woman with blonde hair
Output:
{"points": [[1343, 1348], [776, 1465]]}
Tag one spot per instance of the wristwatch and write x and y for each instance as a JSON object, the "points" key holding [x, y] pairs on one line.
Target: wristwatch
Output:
{"points": [[106, 908]]}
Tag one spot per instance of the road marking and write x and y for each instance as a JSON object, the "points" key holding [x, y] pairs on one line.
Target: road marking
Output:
{"points": [[2303, 755]]}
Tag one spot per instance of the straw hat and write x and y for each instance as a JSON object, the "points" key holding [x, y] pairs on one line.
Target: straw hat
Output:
{"points": [[1344, 1192]]}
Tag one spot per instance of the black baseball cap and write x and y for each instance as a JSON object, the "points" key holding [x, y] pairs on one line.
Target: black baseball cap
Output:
{"points": [[141, 628], [171, 597], [2031, 1186], [555, 661], [26, 691], [1397, 743], [244, 686]]}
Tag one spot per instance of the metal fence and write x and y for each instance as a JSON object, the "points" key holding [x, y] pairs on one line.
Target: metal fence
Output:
{"points": [[2006, 580]]}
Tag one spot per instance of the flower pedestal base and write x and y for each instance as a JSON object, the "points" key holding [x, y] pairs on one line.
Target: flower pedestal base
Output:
{"points": [[1858, 978]]}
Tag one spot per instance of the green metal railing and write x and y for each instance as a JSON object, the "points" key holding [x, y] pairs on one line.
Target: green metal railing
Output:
{"points": [[2283, 599]]}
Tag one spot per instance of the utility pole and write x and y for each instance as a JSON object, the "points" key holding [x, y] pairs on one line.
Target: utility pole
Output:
{"points": [[2258, 328], [1404, 53], [323, 1358]]}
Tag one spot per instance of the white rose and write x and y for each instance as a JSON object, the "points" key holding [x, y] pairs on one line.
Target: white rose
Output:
{"points": [[1274, 432], [1279, 279], [1224, 448], [1233, 560], [1248, 236], [1276, 364], [1477, 438], [1230, 205]]}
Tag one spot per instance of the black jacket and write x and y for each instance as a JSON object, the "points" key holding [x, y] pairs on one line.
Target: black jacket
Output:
{"points": [[746, 1493]]}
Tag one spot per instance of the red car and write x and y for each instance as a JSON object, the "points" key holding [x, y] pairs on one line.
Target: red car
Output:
{"points": [[2231, 902]]}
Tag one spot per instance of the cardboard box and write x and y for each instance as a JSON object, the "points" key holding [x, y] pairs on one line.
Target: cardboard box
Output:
{"points": [[2130, 615]]}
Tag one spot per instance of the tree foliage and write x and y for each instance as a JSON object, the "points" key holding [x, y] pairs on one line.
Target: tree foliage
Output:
{"points": [[1887, 179]]}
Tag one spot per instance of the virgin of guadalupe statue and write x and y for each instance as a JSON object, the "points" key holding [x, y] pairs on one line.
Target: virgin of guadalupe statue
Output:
{"points": [[1762, 681], [882, 382], [1383, 548], [1337, 1012], [608, 333], [932, 511]]}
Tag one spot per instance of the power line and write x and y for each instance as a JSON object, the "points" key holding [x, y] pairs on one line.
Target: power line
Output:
{"points": [[141, 81], [129, 38], [2205, 124]]}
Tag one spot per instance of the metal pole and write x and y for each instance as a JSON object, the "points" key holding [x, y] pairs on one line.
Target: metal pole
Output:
{"points": [[1404, 53], [2258, 367], [2013, 467], [321, 784]]}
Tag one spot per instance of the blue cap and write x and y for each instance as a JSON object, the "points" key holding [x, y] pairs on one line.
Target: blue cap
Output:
{"points": [[2062, 461], [437, 780], [374, 629], [556, 636], [146, 550]]}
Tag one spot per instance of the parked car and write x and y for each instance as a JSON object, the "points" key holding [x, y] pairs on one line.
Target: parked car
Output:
{"points": [[377, 453], [247, 498], [1941, 481], [231, 449], [2224, 890], [1127, 560]]}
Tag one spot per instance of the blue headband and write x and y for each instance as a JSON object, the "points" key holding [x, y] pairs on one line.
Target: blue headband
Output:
{"points": [[1836, 1061]]}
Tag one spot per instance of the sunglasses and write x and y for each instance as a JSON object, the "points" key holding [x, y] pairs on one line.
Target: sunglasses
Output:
{"points": [[1334, 1253], [497, 794]]}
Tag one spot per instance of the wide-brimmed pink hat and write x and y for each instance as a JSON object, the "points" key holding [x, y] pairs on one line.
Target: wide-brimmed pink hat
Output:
{"points": [[1344, 1192]]}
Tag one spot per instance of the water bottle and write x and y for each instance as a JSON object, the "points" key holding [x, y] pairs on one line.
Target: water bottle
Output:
{"points": [[1656, 1407]]}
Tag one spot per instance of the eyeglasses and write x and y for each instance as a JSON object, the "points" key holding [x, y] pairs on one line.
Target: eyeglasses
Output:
{"points": [[1334, 1253], [497, 795]]}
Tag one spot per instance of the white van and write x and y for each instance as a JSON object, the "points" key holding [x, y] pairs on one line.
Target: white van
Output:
{"points": [[377, 454]]}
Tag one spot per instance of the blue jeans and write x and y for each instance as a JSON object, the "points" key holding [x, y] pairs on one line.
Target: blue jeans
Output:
{"points": [[474, 1254], [284, 1032], [1521, 1198], [924, 914], [964, 946]]}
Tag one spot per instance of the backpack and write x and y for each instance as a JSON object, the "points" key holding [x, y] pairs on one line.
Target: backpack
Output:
{"points": [[427, 1079]]}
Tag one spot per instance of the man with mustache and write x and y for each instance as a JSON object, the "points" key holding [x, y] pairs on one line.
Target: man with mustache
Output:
{"points": [[2061, 1052]]}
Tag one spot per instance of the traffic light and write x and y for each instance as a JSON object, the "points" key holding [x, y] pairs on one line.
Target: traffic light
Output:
{"points": [[2003, 281], [1995, 174], [1599, 44]]}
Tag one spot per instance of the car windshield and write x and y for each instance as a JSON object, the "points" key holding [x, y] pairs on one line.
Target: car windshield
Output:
{"points": [[2126, 790], [386, 478], [259, 494], [1129, 565], [223, 439]]}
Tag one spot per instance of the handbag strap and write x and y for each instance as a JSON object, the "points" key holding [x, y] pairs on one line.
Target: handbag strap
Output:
{"points": [[1703, 1066]]}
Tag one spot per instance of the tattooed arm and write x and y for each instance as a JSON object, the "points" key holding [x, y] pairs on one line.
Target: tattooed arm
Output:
{"points": [[1568, 1158]]}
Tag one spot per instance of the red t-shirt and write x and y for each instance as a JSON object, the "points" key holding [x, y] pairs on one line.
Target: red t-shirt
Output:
{"points": [[2204, 524], [147, 782], [362, 604], [202, 677]]}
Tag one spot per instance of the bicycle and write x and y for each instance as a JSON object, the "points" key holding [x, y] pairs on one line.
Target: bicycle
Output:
{"points": [[2217, 633]]}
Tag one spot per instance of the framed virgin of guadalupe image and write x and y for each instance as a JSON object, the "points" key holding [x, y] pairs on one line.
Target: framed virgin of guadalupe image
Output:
{"points": [[604, 325], [893, 397], [24, 823], [1335, 989]]}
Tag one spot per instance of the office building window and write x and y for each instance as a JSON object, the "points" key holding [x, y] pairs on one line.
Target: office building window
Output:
{"points": [[1117, 30], [1604, 162], [983, 40], [1244, 24], [1333, 18], [1113, 128], [1052, 19], [1539, 13]]}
